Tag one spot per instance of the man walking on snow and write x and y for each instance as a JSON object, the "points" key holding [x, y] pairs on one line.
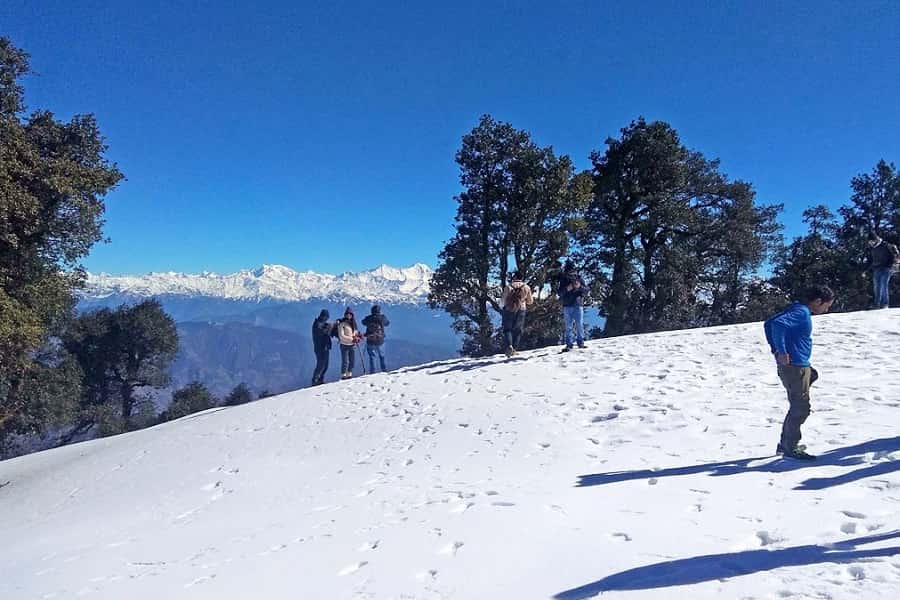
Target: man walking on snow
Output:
{"points": [[789, 334]]}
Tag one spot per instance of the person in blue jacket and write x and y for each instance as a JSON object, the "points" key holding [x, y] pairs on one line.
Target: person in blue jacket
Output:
{"points": [[789, 334]]}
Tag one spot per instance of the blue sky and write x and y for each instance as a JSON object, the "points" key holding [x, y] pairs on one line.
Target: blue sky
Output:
{"points": [[322, 135]]}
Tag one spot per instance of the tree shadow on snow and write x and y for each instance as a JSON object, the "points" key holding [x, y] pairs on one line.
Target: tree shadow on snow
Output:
{"points": [[471, 365], [699, 569], [840, 457]]}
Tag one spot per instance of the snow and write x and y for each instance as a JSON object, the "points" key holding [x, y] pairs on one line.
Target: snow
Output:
{"points": [[640, 467], [408, 285]]}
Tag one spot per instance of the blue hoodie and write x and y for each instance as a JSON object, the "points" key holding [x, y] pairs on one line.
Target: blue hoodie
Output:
{"points": [[790, 332]]}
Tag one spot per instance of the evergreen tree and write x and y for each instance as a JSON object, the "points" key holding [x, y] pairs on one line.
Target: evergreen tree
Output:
{"points": [[194, 397], [120, 352], [239, 395], [53, 177], [517, 207], [673, 236]]}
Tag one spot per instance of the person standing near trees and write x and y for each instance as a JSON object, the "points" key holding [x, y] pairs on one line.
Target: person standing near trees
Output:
{"points": [[375, 324], [348, 335], [571, 290], [516, 299], [789, 334], [884, 260]]}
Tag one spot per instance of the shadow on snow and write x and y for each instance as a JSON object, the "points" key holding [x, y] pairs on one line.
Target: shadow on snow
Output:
{"points": [[840, 457], [700, 569]]}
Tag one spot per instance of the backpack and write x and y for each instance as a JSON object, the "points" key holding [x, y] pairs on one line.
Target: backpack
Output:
{"points": [[375, 332], [895, 254], [514, 298]]}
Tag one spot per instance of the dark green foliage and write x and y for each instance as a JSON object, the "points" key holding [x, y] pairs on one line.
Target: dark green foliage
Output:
{"points": [[239, 395], [517, 210], [120, 352], [192, 398], [53, 177], [673, 240], [835, 254]]}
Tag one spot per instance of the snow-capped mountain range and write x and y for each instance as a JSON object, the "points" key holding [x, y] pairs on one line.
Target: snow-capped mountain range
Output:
{"points": [[387, 284]]}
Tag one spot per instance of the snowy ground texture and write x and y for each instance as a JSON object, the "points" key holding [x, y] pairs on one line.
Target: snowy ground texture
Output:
{"points": [[641, 467]]}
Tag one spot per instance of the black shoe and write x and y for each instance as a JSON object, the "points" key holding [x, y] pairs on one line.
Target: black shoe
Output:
{"points": [[799, 454], [780, 449], [566, 349], [582, 345]]}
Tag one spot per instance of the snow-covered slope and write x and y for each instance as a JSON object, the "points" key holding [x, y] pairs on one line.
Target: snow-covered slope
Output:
{"points": [[384, 284], [641, 467]]}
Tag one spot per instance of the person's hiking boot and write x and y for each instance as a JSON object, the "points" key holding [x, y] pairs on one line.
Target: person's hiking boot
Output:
{"points": [[566, 349], [780, 449], [798, 454], [510, 352], [347, 375], [582, 345]]}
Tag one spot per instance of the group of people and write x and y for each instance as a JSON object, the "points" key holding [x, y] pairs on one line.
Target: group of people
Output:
{"points": [[517, 297], [789, 333], [349, 337]]}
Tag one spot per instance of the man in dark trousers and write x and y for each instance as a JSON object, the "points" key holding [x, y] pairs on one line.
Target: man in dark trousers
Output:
{"points": [[571, 291], [884, 260], [789, 334], [321, 335], [375, 324]]}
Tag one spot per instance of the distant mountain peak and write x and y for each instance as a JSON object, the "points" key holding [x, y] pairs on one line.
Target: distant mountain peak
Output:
{"points": [[407, 285]]}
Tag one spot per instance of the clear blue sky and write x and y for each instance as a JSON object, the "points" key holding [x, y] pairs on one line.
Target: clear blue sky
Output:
{"points": [[322, 135]]}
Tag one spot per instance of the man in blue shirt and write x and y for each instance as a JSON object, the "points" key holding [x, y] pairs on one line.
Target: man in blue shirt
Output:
{"points": [[789, 334]]}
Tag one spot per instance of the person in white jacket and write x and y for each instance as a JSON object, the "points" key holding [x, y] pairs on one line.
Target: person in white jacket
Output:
{"points": [[348, 335]]}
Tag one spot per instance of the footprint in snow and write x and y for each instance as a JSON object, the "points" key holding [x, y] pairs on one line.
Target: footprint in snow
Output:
{"points": [[429, 574], [352, 568], [853, 514], [451, 549], [460, 508], [369, 546]]}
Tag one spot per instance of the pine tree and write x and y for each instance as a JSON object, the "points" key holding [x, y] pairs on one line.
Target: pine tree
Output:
{"points": [[515, 213], [239, 395], [670, 234], [120, 352], [194, 397], [53, 177]]}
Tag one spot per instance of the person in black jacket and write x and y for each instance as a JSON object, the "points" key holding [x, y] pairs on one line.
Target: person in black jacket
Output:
{"points": [[321, 335], [884, 260], [375, 324], [571, 289]]}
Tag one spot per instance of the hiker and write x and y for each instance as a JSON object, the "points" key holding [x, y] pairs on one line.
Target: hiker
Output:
{"points": [[375, 324], [516, 298], [884, 260], [321, 335], [348, 335], [789, 334], [571, 289]]}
